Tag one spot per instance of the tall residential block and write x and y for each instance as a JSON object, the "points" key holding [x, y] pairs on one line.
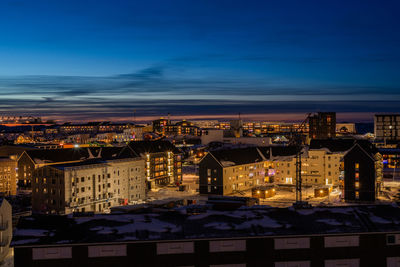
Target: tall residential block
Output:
{"points": [[322, 125]]}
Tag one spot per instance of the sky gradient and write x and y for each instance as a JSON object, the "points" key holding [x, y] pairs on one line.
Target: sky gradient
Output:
{"points": [[90, 60]]}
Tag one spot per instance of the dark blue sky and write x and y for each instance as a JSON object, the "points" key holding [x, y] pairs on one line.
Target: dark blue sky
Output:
{"points": [[103, 59]]}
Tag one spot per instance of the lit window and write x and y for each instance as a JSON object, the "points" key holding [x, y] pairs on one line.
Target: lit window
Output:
{"points": [[357, 184], [357, 166]]}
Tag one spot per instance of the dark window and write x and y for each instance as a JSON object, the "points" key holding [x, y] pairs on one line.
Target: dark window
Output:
{"points": [[391, 239]]}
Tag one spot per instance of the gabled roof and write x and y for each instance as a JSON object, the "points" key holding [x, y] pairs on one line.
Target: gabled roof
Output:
{"points": [[238, 156], [278, 151], [356, 145], [50, 156], [62, 166], [343, 145], [143, 147], [8, 150]]}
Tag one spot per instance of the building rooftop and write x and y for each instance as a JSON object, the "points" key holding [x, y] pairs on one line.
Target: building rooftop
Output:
{"points": [[79, 154], [343, 145], [238, 156], [144, 147], [201, 221], [248, 155]]}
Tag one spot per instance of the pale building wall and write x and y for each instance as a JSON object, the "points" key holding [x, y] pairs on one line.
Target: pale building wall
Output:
{"points": [[8, 176], [105, 185], [243, 177], [5, 228], [318, 168]]}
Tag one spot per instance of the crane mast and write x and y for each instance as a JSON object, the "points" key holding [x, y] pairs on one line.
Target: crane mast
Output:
{"points": [[298, 141]]}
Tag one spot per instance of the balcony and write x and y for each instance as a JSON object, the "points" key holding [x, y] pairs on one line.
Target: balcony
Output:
{"points": [[5, 242]]}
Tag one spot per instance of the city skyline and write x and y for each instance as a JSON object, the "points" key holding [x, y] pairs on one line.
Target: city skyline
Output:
{"points": [[92, 60]]}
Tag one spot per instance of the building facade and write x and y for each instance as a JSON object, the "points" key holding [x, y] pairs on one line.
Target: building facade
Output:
{"points": [[6, 227], [387, 126], [362, 174], [225, 172], [30, 160], [8, 176], [163, 161], [184, 127], [322, 125], [319, 167], [93, 185]]}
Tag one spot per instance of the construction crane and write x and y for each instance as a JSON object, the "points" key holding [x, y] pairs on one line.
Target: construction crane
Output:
{"points": [[297, 140]]}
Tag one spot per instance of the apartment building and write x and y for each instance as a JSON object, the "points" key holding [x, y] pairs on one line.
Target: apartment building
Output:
{"points": [[362, 173], [322, 125], [340, 236], [228, 171], [127, 135], [166, 127], [6, 228], [8, 175], [264, 127], [354, 151], [93, 127], [92, 185], [33, 159], [318, 167], [163, 161], [387, 127]]}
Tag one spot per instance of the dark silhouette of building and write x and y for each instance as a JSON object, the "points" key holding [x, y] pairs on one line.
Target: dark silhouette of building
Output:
{"points": [[201, 235], [361, 173], [322, 125], [160, 125]]}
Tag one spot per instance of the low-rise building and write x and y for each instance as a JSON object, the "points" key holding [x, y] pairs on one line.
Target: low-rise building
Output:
{"points": [[93, 127], [318, 167], [92, 185], [345, 128], [228, 171], [256, 141], [32, 159], [8, 176], [184, 127], [163, 161]]}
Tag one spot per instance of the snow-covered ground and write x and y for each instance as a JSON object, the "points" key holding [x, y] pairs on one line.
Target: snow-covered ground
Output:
{"points": [[173, 192]]}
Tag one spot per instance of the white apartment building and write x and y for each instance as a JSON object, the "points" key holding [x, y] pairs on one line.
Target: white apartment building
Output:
{"points": [[93, 185]]}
